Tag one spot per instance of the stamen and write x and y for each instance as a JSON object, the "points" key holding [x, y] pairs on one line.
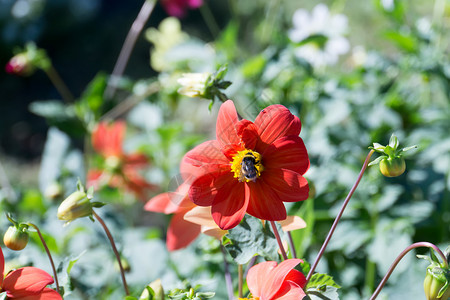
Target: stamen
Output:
{"points": [[247, 165]]}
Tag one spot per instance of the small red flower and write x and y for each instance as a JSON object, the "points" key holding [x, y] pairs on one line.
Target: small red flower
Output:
{"points": [[267, 281], [28, 283], [20, 64], [120, 169], [178, 8], [251, 167]]}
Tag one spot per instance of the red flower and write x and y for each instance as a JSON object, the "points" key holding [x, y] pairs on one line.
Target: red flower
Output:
{"points": [[267, 281], [28, 283], [120, 169], [250, 167], [20, 64], [178, 8]]}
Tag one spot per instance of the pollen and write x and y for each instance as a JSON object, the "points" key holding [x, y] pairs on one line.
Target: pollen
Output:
{"points": [[247, 165]]}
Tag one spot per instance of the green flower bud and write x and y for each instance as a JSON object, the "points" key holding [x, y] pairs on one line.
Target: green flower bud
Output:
{"points": [[16, 237], [392, 167], [77, 205], [436, 284], [53, 191], [153, 291]]}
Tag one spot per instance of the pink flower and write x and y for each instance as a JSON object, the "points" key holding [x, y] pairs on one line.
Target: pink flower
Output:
{"points": [[178, 8], [267, 281], [28, 283]]}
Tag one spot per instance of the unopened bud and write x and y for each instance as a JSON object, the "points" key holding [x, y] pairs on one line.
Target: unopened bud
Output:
{"points": [[53, 191], [436, 284], [16, 237], [20, 64], [77, 205], [193, 84], [392, 167], [157, 291]]}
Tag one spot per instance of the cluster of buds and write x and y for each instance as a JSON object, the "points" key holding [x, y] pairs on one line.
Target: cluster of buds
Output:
{"points": [[205, 85], [26, 61], [392, 163], [437, 279]]}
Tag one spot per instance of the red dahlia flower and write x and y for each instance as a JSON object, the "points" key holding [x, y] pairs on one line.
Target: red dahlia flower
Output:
{"points": [[178, 8], [251, 167], [26, 283], [120, 169], [267, 281]]}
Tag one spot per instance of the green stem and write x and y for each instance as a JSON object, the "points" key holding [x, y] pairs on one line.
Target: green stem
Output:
{"points": [[280, 243], [399, 258], [336, 221], [113, 245], [48, 254], [59, 84], [370, 275]]}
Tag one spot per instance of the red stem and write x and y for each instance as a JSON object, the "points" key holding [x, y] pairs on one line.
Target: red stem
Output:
{"points": [[336, 221], [48, 254], [277, 236], [399, 258], [113, 245]]}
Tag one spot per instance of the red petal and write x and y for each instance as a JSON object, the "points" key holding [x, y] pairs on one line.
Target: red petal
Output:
{"points": [[288, 152], [26, 281], [288, 185], [107, 139], [248, 133], [257, 277], [226, 121], [230, 204], [264, 202], [136, 160], [136, 183], [170, 202], [277, 277], [274, 122], [202, 159], [289, 291], [296, 277], [181, 232], [204, 189], [46, 294]]}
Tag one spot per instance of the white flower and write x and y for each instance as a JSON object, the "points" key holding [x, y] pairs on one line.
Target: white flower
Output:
{"points": [[328, 31], [193, 84]]}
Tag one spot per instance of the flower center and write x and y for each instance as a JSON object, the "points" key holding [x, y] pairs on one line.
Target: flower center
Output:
{"points": [[247, 165]]}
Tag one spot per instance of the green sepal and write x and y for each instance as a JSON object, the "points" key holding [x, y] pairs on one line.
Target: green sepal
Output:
{"points": [[98, 204]]}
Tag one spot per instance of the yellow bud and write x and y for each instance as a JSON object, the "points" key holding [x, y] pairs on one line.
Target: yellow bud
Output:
{"points": [[77, 205]]}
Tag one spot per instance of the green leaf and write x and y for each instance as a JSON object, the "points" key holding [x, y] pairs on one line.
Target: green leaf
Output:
{"points": [[320, 280], [325, 292], [253, 66], [89, 106], [251, 238], [403, 41], [59, 115]]}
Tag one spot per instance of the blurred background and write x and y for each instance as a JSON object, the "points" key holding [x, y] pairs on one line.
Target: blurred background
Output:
{"points": [[389, 73]]}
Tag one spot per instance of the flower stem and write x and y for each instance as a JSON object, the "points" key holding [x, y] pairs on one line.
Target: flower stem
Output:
{"points": [[113, 245], [336, 221], [241, 281], [59, 84], [128, 46], [277, 236], [291, 245], [399, 258], [48, 254], [228, 279]]}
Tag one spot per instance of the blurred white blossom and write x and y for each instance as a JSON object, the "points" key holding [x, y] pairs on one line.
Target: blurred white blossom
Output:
{"points": [[320, 35], [193, 84]]}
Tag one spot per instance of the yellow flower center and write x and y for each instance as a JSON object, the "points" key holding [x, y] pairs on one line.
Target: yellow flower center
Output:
{"points": [[247, 165]]}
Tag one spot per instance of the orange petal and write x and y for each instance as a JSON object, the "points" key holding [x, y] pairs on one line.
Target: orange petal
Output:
{"points": [[230, 204], [181, 232], [290, 291], [277, 277], [2, 266], [292, 223], [288, 185], [215, 232], [107, 139], [46, 294], [264, 201], [201, 215]]}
